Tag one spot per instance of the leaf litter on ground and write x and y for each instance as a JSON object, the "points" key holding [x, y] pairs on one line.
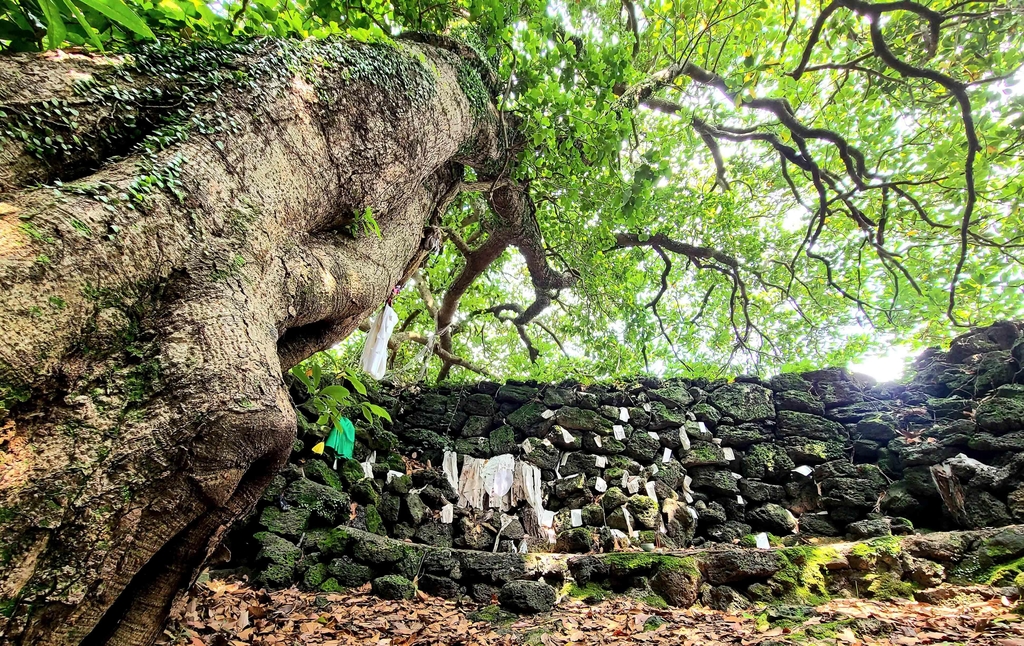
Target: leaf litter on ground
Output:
{"points": [[233, 612]]}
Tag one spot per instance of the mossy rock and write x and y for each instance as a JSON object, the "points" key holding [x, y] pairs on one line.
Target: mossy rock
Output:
{"points": [[636, 564], [393, 587], [589, 593], [645, 511], [492, 614], [350, 472], [331, 585], [886, 586], [327, 503], [276, 550], [332, 541], [318, 471], [276, 576], [527, 416], [767, 461], [315, 576], [374, 523], [399, 485], [802, 578], [502, 440], [613, 499], [375, 550], [348, 573], [291, 523]]}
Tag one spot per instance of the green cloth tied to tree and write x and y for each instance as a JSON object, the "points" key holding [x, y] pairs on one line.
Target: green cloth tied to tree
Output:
{"points": [[342, 437]]}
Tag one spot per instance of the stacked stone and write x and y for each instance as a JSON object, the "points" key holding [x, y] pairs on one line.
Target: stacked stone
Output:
{"points": [[824, 452]]}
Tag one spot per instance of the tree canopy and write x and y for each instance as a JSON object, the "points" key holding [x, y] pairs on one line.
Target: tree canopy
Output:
{"points": [[707, 182]]}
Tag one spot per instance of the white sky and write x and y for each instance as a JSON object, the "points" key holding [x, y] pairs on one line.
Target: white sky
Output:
{"points": [[884, 366]]}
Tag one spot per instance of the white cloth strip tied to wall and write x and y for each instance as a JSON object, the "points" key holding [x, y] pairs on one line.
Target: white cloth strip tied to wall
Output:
{"points": [[497, 476], [368, 465], [527, 485], [374, 360], [471, 483], [450, 466], [397, 474]]}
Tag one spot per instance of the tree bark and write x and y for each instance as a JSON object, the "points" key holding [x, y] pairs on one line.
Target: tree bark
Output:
{"points": [[154, 290]]}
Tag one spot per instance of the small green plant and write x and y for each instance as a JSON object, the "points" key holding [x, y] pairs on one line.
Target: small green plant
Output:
{"points": [[368, 223], [329, 401]]}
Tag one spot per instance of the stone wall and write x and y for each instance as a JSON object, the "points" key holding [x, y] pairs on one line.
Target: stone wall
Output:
{"points": [[822, 453]]}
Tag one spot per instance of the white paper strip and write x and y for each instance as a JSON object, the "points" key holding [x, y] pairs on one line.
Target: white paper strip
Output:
{"points": [[649, 488], [600, 461], [618, 533], [687, 481], [684, 439], [740, 500], [666, 456], [654, 469], [448, 513], [601, 486], [597, 441], [647, 407], [576, 517], [693, 512], [687, 497], [623, 414], [524, 546], [762, 541], [565, 458], [716, 441], [548, 414], [398, 474], [804, 470], [618, 432], [567, 437], [633, 484], [737, 476], [653, 435], [730, 455], [703, 428], [527, 447]]}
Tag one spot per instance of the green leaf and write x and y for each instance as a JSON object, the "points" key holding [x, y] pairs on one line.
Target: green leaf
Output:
{"points": [[339, 394], [378, 411], [356, 383], [86, 27], [317, 373], [55, 29], [119, 13], [300, 373]]}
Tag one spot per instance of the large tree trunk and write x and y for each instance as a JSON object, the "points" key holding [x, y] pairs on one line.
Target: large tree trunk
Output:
{"points": [[196, 244]]}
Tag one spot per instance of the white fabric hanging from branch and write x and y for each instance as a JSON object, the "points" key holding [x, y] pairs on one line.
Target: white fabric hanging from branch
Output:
{"points": [[374, 359]]}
